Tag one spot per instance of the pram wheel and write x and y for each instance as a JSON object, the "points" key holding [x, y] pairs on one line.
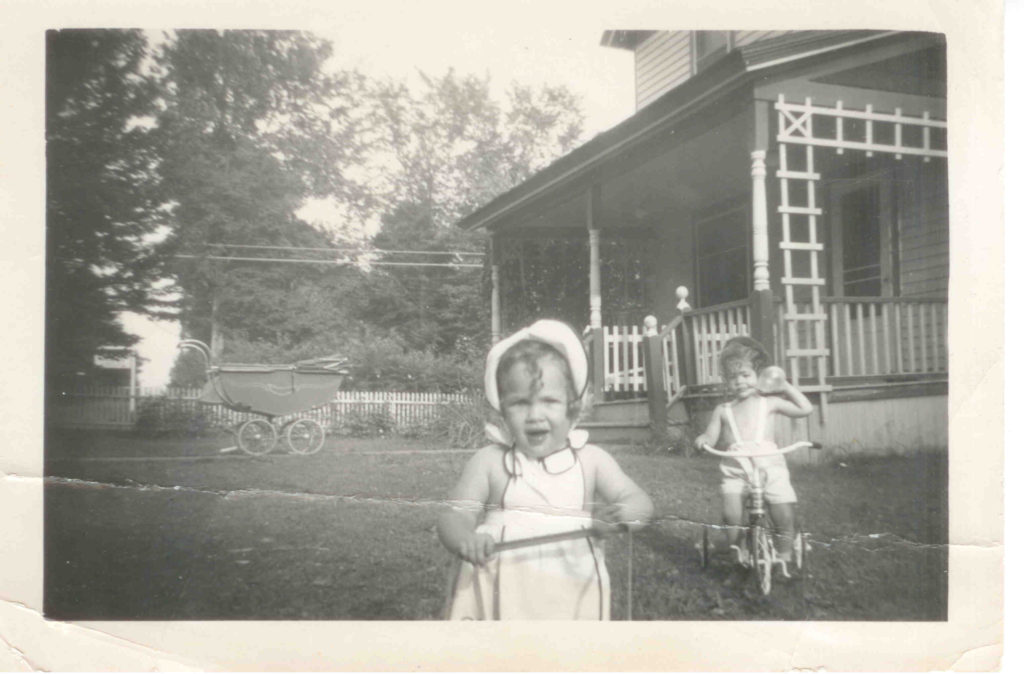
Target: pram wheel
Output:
{"points": [[257, 437], [304, 436]]}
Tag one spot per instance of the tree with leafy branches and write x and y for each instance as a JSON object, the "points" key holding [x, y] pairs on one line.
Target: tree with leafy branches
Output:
{"points": [[251, 127], [102, 196], [451, 148]]}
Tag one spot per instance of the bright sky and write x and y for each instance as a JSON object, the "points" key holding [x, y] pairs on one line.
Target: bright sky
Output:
{"points": [[557, 46]]}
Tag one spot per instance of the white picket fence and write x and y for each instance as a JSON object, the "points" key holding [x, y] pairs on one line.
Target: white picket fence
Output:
{"points": [[115, 407], [624, 360]]}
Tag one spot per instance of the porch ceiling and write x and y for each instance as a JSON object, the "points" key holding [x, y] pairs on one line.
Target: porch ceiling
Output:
{"points": [[643, 171], [664, 187]]}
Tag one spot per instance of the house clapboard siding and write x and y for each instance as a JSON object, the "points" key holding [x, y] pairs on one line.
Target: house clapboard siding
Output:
{"points": [[924, 233], [880, 426], [665, 59], [662, 62]]}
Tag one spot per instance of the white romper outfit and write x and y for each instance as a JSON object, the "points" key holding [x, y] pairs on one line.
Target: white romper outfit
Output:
{"points": [[565, 580], [777, 488]]}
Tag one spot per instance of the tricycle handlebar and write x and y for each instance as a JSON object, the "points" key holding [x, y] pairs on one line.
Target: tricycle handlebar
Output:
{"points": [[760, 453], [572, 534], [541, 540]]}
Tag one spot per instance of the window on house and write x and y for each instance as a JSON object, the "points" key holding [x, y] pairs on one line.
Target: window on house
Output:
{"points": [[710, 45], [861, 223], [862, 244], [723, 258]]}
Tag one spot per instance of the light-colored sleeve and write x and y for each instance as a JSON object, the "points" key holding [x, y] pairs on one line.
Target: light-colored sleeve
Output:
{"points": [[612, 485]]}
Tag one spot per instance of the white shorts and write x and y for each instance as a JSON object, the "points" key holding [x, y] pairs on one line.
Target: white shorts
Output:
{"points": [[777, 489]]}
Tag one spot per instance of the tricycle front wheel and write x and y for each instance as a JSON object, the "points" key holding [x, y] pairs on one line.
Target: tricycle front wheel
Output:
{"points": [[304, 436], [256, 437]]}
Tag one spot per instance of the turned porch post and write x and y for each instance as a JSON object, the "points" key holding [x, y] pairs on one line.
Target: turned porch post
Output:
{"points": [[495, 293], [760, 225], [761, 301], [594, 238]]}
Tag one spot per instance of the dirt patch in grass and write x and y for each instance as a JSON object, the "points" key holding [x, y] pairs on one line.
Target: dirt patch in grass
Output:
{"points": [[349, 534]]}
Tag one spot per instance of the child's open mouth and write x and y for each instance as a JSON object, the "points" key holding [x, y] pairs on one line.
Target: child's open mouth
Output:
{"points": [[536, 436]]}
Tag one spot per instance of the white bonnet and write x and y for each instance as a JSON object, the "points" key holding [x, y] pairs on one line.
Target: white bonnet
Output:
{"points": [[557, 334]]}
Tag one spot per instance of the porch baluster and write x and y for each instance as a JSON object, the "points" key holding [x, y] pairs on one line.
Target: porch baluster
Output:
{"points": [[860, 337], [616, 341], [898, 316], [834, 330], [886, 339], [910, 338], [847, 309], [874, 337], [927, 338]]}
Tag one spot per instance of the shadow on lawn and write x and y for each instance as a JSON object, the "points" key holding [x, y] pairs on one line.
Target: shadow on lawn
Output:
{"points": [[348, 536]]}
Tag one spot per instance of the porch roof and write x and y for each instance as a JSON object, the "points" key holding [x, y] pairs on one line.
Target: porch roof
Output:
{"points": [[743, 66]]}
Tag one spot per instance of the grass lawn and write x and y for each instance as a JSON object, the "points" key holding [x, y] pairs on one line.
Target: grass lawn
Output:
{"points": [[173, 529]]}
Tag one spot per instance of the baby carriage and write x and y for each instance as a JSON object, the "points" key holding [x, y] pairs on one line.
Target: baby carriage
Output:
{"points": [[271, 392]]}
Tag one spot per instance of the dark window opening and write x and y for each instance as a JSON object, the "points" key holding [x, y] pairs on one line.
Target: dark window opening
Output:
{"points": [[860, 214], [710, 45], [723, 263]]}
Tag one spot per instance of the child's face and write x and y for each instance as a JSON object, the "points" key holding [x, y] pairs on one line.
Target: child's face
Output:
{"points": [[741, 378], [536, 410]]}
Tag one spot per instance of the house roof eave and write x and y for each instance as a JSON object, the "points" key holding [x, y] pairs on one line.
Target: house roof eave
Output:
{"points": [[740, 66], [625, 39], [665, 110]]}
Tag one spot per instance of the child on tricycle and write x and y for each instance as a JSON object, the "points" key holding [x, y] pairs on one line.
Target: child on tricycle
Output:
{"points": [[758, 393]]}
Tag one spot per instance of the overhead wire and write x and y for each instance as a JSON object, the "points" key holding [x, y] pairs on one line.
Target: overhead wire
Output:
{"points": [[347, 250], [335, 261]]}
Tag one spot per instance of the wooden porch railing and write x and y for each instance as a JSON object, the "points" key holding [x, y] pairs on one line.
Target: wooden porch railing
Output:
{"points": [[867, 337], [672, 350], [708, 329], [623, 368], [624, 361], [878, 336]]}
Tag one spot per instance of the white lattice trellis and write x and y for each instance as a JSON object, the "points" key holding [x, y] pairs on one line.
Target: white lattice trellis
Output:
{"points": [[796, 129]]}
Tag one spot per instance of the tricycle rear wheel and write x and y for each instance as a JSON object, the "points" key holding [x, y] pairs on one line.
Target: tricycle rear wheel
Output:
{"points": [[256, 437], [304, 436]]}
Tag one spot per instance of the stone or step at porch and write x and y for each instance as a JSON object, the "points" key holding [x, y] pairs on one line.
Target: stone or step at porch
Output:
{"points": [[620, 411], [611, 433], [626, 421]]}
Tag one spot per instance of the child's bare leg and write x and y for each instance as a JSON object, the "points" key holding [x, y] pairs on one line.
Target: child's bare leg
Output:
{"points": [[784, 516], [732, 517]]}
